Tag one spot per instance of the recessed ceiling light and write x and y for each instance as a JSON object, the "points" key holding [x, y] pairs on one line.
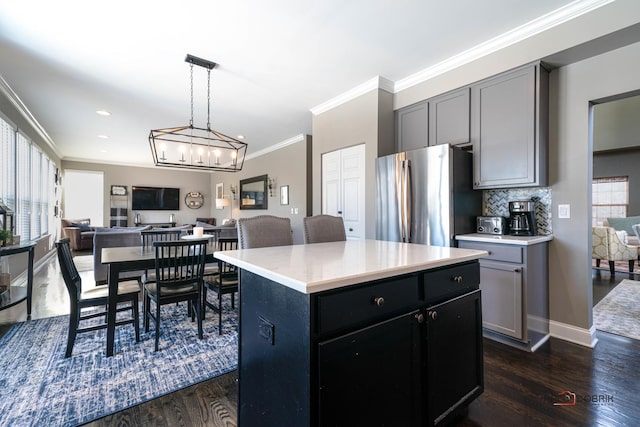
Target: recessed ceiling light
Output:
{"points": [[103, 112], [103, 151], [103, 137], [240, 136]]}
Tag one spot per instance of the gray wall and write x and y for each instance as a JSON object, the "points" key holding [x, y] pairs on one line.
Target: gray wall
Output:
{"points": [[367, 119], [621, 163], [573, 88], [616, 124], [290, 166], [184, 179]]}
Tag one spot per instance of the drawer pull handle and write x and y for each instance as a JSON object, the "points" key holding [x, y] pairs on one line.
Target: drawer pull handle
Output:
{"points": [[379, 301], [457, 279], [420, 318], [433, 315]]}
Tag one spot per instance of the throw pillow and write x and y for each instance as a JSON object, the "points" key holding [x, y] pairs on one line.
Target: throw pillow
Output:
{"points": [[83, 226], [622, 235]]}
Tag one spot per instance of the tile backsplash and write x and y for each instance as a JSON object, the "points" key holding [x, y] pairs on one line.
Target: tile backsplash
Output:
{"points": [[496, 203]]}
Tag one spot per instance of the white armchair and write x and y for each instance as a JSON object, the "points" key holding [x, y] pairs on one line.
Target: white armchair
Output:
{"points": [[605, 244]]}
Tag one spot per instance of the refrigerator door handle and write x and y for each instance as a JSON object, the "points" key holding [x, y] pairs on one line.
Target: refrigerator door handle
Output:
{"points": [[407, 200]]}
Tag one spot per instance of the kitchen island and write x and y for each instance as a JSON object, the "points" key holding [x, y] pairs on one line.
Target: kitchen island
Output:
{"points": [[357, 333]]}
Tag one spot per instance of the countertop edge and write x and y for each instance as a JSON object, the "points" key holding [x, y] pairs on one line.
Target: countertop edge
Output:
{"points": [[319, 286], [504, 239]]}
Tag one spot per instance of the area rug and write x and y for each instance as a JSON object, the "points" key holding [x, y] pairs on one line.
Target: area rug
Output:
{"points": [[83, 262], [619, 311], [39, 387], [619, 266]]}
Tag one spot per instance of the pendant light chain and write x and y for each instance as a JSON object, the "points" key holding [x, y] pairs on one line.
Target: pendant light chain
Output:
{"points": [[208, 99], [191, 121]]}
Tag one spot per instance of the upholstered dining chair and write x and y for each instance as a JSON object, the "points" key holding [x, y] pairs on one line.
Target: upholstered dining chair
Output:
{"points": [[95, 297], [263, 231], [224, 282], [178, 277], [323, 228], [605, 244]]}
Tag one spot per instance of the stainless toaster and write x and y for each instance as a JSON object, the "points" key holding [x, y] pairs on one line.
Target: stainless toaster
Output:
{"points": [[491, 225]]}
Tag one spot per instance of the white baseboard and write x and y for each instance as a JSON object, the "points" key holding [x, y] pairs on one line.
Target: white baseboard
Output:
{"points": [[581, 336]]}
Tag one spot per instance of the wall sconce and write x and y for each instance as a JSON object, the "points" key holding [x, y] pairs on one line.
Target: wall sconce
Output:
{"points": [[270, 184], [233, 189]]}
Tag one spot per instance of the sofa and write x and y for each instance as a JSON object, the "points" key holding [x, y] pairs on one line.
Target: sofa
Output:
{"points": [[79, 231], [110, 238]]}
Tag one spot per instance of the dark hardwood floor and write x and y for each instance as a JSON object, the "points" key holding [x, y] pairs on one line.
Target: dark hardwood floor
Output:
{"points": [[520, 388]]}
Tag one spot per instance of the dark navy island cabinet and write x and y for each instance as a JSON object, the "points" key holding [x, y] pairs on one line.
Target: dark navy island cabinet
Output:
{"points": [[402, 351]]}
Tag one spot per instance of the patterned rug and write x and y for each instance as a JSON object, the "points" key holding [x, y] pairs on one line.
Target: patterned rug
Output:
{"points": [[619, 266], [619, 311], [40, 387]]}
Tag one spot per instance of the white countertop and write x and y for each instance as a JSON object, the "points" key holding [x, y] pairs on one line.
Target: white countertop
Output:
{"points": [[505, 239], [322, 266]]}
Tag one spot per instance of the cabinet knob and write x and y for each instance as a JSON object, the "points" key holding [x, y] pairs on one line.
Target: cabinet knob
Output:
{"points": [[433, 315], [420, 318], [379, 301], [457, 279]]}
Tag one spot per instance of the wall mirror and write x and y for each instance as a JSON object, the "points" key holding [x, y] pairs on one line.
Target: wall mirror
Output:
{"points": [[253, 193]]}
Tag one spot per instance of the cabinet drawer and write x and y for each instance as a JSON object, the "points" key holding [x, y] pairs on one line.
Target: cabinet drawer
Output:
{"points": [[366, 303], [451, 281], [497, 252]]}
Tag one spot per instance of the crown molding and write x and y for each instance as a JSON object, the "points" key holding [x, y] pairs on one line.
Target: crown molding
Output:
{"points": [[518, 34], [279, 145], [26, 114], [377, 82]]}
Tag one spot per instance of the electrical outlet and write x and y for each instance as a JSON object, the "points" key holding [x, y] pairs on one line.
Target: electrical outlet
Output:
{"points": [[564, 211]]}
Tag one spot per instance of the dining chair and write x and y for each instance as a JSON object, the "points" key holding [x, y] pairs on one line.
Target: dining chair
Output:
{"points": [[147, 237], [224, 282], [178, 277], [263, 231], [323, 228], [96, 297]]}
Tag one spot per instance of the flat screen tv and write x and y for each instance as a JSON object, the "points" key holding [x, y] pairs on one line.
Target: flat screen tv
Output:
{"points": [[155, 199]]}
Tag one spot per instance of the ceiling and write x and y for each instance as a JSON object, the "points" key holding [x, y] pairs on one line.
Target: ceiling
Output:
{"points": [[277, 60]]}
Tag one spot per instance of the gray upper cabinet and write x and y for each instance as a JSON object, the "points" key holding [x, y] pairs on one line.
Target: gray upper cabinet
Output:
{"points": [[449, 118], [412, 124], [509, 129]]}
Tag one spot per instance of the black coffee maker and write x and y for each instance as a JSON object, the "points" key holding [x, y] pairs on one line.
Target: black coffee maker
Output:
{"points": [[522, 218]]}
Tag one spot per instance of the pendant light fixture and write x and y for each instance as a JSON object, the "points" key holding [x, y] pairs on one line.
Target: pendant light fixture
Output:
{"points": [[192, 147]]}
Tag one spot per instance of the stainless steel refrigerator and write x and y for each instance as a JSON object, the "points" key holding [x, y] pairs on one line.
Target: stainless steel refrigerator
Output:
{"points": [[426, 196]]}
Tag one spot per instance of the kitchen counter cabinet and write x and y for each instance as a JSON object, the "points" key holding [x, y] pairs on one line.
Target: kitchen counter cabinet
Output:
{"points": [[509, 129], [514, 284], [449, 118], [374, 350]]}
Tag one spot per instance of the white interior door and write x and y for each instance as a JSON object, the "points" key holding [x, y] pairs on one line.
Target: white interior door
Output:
{"points": [[343, 188]]}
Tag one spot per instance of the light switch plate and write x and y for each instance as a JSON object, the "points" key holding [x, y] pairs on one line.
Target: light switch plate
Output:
{"points": [[564, 211]]}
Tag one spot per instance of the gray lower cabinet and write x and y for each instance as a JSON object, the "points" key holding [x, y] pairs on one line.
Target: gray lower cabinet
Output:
{"points": [[412, 127], [514, 285], [509, 115], [449, 118]]}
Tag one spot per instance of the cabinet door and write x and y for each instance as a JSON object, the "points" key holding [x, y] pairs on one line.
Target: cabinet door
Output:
{"points": [[454, 357], [449, 118], [371, 376], [501, 285], [503, 129], [412, 124]]}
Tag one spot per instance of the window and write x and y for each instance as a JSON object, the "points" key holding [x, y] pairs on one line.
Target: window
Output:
{"points": [[26, 182], [610, 198]]}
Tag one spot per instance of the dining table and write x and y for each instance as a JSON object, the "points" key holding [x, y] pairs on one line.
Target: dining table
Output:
{"points": [[129, 258]]}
